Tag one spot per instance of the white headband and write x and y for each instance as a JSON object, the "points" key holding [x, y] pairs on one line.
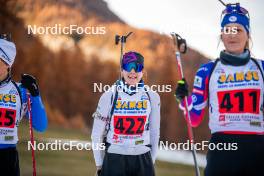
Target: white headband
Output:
{"points": [[7, 52]]}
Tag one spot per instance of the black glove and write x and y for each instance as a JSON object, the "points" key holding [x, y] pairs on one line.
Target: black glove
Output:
{"points": [[181, 90], [30, 83]]}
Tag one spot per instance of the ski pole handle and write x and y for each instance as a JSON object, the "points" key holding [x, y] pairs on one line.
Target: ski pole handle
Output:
{"points": [[179, 43], [123, 40]]}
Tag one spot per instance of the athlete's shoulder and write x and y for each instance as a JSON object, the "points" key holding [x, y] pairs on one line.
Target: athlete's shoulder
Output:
{"points": [[259, 62], [17, 84], [207, 67], [19, 87], [22, 92], [104, 103], [203, 73], [154, 95], [154, 98], [106, 96]]}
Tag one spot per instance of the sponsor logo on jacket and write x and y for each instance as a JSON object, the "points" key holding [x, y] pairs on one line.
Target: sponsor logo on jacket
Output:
{"points": [[131, 105], [8, 98], [238, 77]]}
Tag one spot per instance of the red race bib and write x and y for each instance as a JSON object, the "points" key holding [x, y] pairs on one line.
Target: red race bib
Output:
{"points": [[239, 101], [129, 125], [7, 118]]}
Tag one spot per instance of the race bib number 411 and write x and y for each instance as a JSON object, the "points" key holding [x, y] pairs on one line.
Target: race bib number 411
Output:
{"points": [[239, 101], [129, 125], [7, 118]]}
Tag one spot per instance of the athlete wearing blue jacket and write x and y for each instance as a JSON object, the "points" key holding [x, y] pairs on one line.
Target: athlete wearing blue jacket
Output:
{"points": [[13, 106]]}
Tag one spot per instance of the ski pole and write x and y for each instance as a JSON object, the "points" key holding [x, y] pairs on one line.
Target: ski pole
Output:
{"points": [[123, 40], [178, 42], [31, 135], [222, 2]]}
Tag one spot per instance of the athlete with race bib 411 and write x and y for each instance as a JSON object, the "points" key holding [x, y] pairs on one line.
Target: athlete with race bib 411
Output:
{"points": [[129, 116], [13, 106], [232, 87]]}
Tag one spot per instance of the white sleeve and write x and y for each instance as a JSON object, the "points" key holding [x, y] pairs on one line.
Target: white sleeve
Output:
{"points": [[154, 124], [99, 124], [97, 139]]}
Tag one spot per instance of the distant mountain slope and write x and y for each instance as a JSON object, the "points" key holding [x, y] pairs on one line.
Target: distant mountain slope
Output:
{"points": [[67, 68]]}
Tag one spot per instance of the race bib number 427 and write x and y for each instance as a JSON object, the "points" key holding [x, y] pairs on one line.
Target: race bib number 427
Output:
{"points": [[7, 118], [239, 101], [129, 125]]}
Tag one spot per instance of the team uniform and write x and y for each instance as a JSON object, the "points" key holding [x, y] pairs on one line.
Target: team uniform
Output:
{"points": [[232, 88], [132, 131], [233, 92], [13, 106]]}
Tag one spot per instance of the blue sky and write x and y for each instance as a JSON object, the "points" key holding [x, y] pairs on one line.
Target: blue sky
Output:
{"points": [[196, 20]]}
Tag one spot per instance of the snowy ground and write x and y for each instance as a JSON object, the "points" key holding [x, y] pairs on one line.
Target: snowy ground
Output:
{"points": [[180, 156]]}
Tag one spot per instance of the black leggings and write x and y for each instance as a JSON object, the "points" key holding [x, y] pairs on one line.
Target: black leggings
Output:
{"points": [[247, 160], [127, 165], [9, 163]]}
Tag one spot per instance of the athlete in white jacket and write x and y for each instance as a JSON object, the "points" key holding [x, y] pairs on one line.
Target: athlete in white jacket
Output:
{"points": [[13, 107], [128, 117]]}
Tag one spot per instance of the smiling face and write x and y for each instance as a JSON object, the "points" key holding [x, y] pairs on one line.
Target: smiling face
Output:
{"points": [[235, 43], [132, 78]]}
